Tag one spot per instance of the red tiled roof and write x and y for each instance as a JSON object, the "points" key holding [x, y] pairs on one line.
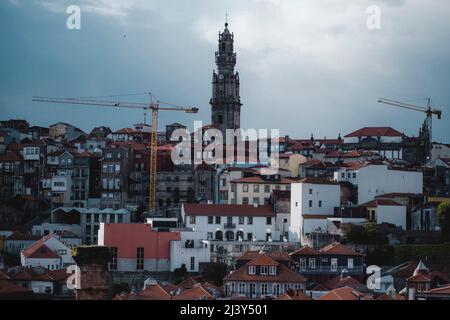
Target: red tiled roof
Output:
{"points": [[156, 292], [306, 250], [294, 296], [40, 250], [441, 290], [36, 274], [389, 298], [9, 157], [284, 274], [22, 236], [191, 282], [419, 278], [380, 202], [320, 287], [344, 293], [375, 132], [276, 255], [7, 287], [263, 260], [339, 282], [314, 180], [338, 249], [400, 194], [196, 293], [196, 209]]}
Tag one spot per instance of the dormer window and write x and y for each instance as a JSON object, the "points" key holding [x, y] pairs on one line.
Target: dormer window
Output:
{"points": [[272, 270], [264, 270], [251, 270]]}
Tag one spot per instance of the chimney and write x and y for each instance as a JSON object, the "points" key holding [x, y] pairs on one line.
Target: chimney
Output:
{"points": [[92, 275]]}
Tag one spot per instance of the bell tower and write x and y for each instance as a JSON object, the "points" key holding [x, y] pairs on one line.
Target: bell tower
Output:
{"points": [[225, 102]]}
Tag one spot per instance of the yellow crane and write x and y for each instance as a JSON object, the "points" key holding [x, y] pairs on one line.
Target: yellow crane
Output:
{"points": [[154, 107], [428, 110]]}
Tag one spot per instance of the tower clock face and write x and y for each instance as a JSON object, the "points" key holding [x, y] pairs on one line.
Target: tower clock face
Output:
{"points": [[220, 76]]}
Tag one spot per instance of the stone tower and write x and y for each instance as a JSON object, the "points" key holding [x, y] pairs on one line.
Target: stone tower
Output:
{"points": [[225, 101]]}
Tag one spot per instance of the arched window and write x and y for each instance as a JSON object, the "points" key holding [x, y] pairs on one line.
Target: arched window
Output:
{"points": [[239, 236], [219, 235], [229, 235]]}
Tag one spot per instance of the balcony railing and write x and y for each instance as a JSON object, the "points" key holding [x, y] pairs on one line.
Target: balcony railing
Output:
{"points": [[229, 225]]}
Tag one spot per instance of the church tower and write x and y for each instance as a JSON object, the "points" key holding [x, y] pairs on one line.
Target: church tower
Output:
{"points": [[225, 101]]}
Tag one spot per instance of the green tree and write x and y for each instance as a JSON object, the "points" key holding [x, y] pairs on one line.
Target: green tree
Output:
{"points": [[443, 214], [179, 274], [215, 273]]}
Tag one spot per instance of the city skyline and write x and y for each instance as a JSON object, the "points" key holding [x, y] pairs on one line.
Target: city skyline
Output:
{"points": [[128, 47]]}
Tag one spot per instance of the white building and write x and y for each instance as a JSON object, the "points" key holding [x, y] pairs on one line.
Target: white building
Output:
{"points": [[231, 222], [313, 200], [89, 219], [191, 251], [374, 180], [61, 188], [48, 252], [386, 211]]}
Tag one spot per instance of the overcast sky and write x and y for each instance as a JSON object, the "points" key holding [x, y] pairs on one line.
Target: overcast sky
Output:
{"points": [[306, 66]]}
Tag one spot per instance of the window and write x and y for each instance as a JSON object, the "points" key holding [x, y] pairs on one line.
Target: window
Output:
{"points": [[348, 175], [62, 252], [210, 235], [249, 220], [113, 263], [210, 220], [269, 220], [264, 270], [343, 175], [272, 270], [296, 203], [192, 219], [245, 200], [251, 270], [245, 188], [139, 258], [310, 191], [119, 218], [264, 289], [250, 236], [256, 188], [302, 263], [354, 175], [310, 203], [320, 203], [241, 288], [256, 201], [333, 264], [266, 188], [117, 167], [276, 289], [218, 220], [241, 220], [192, 263], [350, 263], [312, 263]]}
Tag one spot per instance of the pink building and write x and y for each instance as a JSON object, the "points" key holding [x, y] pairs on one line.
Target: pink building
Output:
{"points": [[137, 247]]}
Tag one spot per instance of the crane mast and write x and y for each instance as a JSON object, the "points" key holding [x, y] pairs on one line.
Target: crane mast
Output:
{"points": [[429, 111], [155, 107]]}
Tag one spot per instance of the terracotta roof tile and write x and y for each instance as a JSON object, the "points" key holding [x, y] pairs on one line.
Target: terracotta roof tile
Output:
{"points": [[284, 274], [305, 251], [344, 293], [380, 202], [375, 132], [338, 249]]}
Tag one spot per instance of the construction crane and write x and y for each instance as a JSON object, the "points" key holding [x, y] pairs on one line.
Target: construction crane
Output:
{"points": [[154, 107], [429, 111]]}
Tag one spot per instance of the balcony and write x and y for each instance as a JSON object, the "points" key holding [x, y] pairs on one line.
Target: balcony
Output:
{"points": [[229, 225], [330, 270]]}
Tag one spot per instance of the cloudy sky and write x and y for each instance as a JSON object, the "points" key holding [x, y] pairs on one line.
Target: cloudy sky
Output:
{"points": [[306, 66]]}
